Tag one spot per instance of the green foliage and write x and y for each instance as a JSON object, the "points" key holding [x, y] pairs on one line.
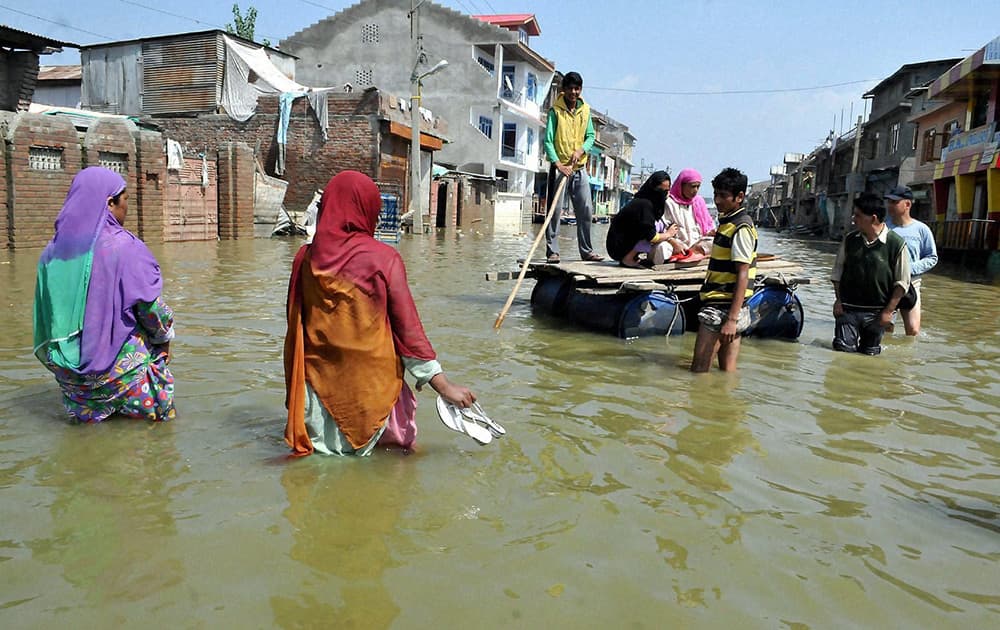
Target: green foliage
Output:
{"points": [[244, 25]]}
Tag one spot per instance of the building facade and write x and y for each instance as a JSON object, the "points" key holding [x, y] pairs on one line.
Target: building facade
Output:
{"points": [[491, 91], [959, 150]]}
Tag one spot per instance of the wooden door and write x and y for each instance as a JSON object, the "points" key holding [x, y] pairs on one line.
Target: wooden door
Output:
{"points": [[192, 209]]}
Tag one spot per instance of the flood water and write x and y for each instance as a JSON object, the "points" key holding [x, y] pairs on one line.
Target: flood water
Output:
{"points": [[812, 489]]}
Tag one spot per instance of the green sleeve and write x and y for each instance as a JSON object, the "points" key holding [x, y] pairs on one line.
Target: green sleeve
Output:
{"points": [[550, 137], [588, 137]]}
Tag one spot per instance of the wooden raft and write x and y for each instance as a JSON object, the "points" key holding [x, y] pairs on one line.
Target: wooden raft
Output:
{"points": [[609, 275]]}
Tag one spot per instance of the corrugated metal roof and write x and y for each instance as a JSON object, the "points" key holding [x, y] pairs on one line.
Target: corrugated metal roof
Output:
{"points": [[30, 41], [193, 34], [60, 73]]}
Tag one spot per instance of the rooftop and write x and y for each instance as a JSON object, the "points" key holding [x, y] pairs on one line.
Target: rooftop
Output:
{"points": [[508, 20]]}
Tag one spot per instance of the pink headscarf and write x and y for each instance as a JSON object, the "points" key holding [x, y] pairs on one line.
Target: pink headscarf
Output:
{"points": [[698, 206]]}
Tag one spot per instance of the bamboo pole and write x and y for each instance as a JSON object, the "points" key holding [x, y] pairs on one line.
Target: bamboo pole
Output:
{"points": [[524, 268]]}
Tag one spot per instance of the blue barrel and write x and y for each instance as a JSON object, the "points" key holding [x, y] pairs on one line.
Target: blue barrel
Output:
{"points": [[656, 313], [775, 312], [550, 294], [598, 311]]}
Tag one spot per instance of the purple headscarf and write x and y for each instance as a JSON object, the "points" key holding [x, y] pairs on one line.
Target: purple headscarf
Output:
{"points": [[698, 206], [123, 272]]}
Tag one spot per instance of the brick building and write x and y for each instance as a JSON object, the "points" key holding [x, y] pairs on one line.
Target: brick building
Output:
{"points": [[182, 88]]}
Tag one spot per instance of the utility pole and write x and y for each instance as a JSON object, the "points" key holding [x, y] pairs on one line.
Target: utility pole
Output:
{"points": [[418, 215]]}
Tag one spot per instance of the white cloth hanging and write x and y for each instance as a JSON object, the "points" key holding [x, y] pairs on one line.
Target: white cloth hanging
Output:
{"points": [[175, 155]]}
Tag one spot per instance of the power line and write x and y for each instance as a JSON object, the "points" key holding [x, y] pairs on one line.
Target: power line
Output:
{"points": [[725, 92], [38, 17], [191, 19], [466, 7], [316, 4]]}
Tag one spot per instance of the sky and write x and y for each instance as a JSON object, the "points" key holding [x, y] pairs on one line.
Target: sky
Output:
{"points": [[701, 84]]}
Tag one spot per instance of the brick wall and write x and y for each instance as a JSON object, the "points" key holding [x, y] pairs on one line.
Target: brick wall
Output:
{"points": [[150, 178], [4, 210], [236, 188], [310, 161], [36, 196], [31, 198], [110, 140]]}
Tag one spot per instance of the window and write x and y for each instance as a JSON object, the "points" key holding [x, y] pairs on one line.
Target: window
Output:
{"points": [[117, 162], [369, 33], [930, 152], [531, 141], [980, 108], [951, 130], [364, 78], [486, 126], [531, 86], [522, 36], [508, 143], [45, 158], [893, 144], [487, 64], [507, 82]]}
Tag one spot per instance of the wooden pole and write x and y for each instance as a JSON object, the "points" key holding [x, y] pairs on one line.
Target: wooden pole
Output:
{"points": [[524, 268]]}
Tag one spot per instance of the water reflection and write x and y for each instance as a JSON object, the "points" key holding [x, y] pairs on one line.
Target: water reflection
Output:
{"points": [[322, 495], [109, 496]]}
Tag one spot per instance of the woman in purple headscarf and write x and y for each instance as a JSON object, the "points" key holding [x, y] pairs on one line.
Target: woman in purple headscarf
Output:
{"points": [[101, 326]]}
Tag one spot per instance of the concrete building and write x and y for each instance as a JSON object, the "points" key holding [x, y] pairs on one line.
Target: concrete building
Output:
{"points": [[491, 92], [612, 170], [959, 153], [889, 139]]}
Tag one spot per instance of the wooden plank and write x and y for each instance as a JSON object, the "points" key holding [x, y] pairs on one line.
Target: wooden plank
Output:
{"points": [[612, 273], [493, 276]]}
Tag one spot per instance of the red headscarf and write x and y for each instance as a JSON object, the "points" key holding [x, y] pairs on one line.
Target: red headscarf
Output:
{"points": [[350, 316], [697, 203]]}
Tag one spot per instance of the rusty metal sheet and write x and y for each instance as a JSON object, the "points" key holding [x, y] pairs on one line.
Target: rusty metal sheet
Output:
{"points": [[182, 75]]}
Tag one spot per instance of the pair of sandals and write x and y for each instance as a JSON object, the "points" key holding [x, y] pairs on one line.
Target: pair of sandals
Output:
{"points": [[689, 256], [471, 421]]}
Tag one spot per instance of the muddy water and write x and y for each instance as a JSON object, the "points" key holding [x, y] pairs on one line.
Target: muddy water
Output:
{"points": [[810, 490]]}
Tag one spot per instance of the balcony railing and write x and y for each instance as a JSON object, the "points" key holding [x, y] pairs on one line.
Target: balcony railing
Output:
{"points": [[510, 154], [509, 187], [513, 95], [966, 234]]}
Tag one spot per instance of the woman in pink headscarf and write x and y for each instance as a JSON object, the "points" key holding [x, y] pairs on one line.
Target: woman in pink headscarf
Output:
{"points": [[687, 209]]}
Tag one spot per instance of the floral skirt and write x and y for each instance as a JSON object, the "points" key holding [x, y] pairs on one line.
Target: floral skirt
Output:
{"points": [[139, 385]]}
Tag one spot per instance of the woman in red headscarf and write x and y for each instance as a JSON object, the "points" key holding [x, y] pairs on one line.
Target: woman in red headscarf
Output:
{"points": [[352, 328]]}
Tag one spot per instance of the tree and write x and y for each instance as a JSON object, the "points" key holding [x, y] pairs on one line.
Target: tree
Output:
{"points": [[244, 25]]}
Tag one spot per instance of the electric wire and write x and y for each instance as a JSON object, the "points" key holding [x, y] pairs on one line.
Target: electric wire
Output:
{"points": [[729, 92], [589, 87], [38, 17]]}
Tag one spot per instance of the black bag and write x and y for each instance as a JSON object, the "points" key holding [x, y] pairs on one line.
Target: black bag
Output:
{"points": [[909, 299]]}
